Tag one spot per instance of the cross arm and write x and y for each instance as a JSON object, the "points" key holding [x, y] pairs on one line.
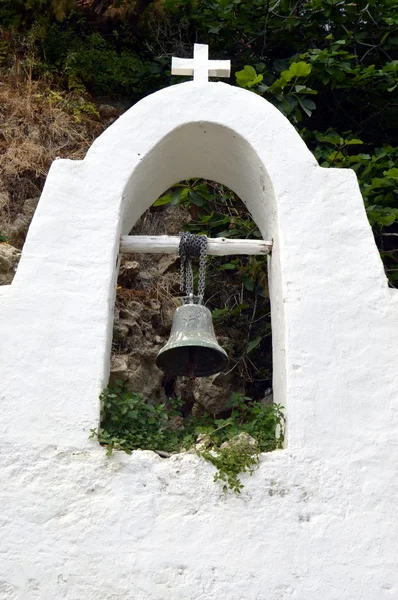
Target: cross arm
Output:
{"points": [[182, 66], [220, 68], [186, 66]]}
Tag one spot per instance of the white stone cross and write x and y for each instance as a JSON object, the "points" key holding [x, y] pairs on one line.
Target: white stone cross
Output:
{"points": [[200, 66]]}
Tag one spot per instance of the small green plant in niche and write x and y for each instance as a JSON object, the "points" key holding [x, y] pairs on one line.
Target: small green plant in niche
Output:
{"points": [[232, 444]]}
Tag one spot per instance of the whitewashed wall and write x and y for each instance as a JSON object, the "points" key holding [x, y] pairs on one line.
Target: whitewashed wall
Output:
{"points": [[318, 519]]}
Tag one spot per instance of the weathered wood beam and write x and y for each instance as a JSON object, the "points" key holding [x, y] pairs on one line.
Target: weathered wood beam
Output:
{"points": [[165, 244]]}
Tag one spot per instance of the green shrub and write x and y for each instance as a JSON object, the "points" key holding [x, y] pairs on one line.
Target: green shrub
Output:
{"points": [[129, 423], [105, 71]]}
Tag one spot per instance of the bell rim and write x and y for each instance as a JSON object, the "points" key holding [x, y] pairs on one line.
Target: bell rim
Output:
{"points": [[221, 352], [200, 343]]}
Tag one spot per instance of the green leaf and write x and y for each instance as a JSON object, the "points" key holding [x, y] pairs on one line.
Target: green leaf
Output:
{"points": [[247, 76], [388, 220], [296, 69], [307, 106], [195, 198], [333, 156], [175, 197], [253, 344], [163, 200], [255, 81], [391, 173], [280, 64], [330, 138], [249, 71], [260, 291], [238, 309], [248, 283], [219, 312], [352, 142], [286, 76]]}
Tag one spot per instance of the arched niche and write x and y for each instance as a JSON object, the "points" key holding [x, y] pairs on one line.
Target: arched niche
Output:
{"points": [[325, 273], [243, 311]]}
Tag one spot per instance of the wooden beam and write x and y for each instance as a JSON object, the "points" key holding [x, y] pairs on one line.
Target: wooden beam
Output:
{"points": [[165, 244]]}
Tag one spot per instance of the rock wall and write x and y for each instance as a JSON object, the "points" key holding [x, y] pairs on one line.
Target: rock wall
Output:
{"points": [[9, 258]]}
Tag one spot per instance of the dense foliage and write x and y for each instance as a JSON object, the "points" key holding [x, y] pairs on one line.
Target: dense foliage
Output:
{"points": [[130, 422], [329, 66]]}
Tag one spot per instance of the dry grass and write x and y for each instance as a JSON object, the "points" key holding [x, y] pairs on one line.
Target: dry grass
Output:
{"points": [[37, 124]]}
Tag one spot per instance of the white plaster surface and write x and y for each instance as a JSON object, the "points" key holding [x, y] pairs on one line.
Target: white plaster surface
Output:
{"points": [[318, 519]]}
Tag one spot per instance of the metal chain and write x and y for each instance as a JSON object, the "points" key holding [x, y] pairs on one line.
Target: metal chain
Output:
{"points": [[190, 246]]}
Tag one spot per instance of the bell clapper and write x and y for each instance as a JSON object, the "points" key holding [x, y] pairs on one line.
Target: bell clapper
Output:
{"points": [[191, 363]]}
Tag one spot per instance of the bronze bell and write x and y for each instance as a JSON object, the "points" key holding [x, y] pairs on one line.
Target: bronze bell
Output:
{"points": [[192, 349]]}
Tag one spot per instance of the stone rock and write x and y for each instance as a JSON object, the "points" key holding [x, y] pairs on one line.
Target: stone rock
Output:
{"points": [[147, 275], [154, 305], [119, 368], [9, 258], [128, 272], [16, 229], [120, 334], [132, 311], [268, 397], [203, 441], [174, 219], [167, 261], [167, 313], [136, 344], [207, 393], [176, 423], [242, 439], [135, 327], [197, 410], [109, 113], [140, 374]]}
